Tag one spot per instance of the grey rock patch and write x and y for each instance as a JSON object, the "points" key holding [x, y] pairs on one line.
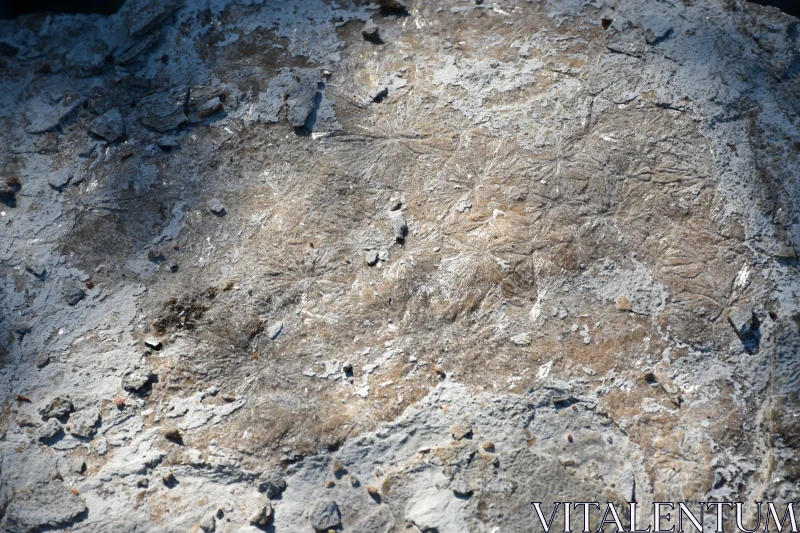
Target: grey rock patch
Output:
{"points": [[275, 330], [144, 15], [209, 108], [216, 206], [521, 339], [168, 143], [49, 430], [208, 524], [381, 521], [73, 294], [43, 116], [325, 515], [164, 110], [42, 359], [59, 179], [271, 483], [47, 143], [136, 50], [399, 225], [108, 126], [743, 321], [137, 379], [461, 431], [370, 31], [83, 423], [262, 515], [87, 58], [461, 487], [49, 506], [371, 257], [77, 465], [57, 408], [301, 100]]}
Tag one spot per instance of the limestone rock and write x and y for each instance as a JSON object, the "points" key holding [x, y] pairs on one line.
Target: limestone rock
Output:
{"points": [[137, 379], [144, 15], [164, 110], [108, 126], [45, 507], [209, 108], [325, 515], [380, 521], [84, 422], [272, 484], [399, 226], [137, 49], [461, 431], [73, 294], [57, 408], [216, 206], [262, 515], [49, 430], [370, 31], [59, 179], [744, 321]]}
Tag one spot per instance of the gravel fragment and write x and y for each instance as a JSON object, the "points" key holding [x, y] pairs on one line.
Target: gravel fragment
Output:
{"points": [[57, 408], [370, 32], [744, 321], [59, 179], [173, 434], [271, 483], [216, 206], [83, 423], [48, 430], [137, 379], [108, 126], [73, 294], [461, 431], [399, 226], [275, 330], [262, 516]]}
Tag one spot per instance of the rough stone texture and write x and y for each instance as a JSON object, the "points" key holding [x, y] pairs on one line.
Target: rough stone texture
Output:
{"points": [[57, 408], [568, 226], [49, 430], [272, 484], [136, 379], [59, 179], [108, 126], [48, 506], [324, 515], [73, 294], [83, 422]]}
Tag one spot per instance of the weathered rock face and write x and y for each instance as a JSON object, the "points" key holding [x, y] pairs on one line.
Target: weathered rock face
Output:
{"points": [[276, 266]]}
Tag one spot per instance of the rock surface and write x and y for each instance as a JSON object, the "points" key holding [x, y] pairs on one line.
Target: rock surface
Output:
{"points": [[50, 506], [514, 252]]}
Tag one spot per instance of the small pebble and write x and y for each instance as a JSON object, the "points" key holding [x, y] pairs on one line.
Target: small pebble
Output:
{"points": [[217, 207], [173, 434]]}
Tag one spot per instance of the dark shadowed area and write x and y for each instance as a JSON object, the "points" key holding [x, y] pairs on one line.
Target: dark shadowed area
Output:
{"points": [[11, 9]]}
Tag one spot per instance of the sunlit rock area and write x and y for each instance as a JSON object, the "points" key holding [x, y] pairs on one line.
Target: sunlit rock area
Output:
{"points": [[396, 266]]}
